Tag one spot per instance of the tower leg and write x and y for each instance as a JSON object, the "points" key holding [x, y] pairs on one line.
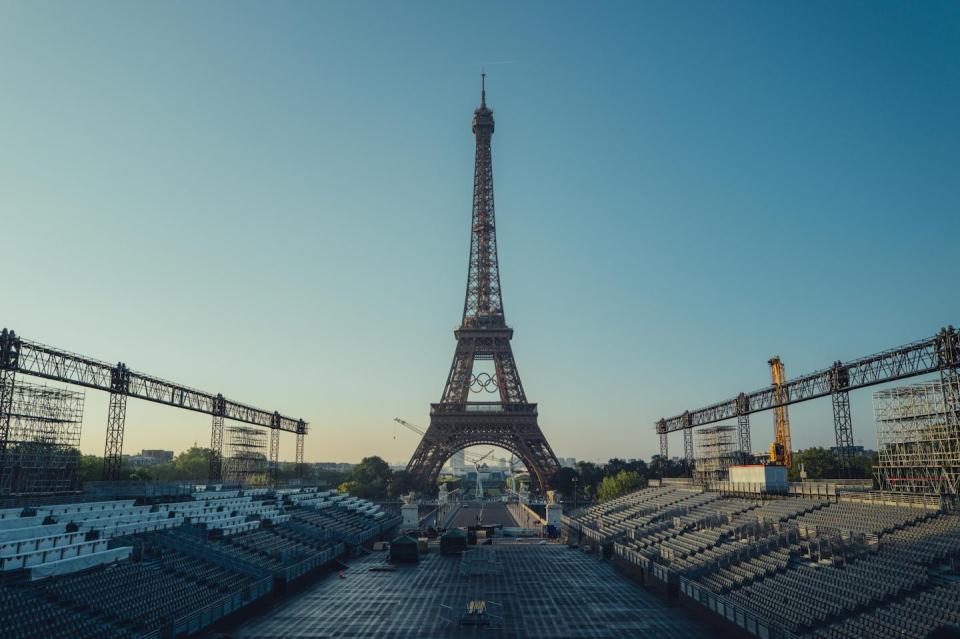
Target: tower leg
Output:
{"points": [[950, 387], [743, 433], [113, 450], [301, 432], [843, 427], [275, 455], [215, 471], [7, 380]]}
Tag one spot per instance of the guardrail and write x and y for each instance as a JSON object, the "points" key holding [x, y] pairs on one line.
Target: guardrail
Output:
{"points": [[183, 543], [751, 622]]}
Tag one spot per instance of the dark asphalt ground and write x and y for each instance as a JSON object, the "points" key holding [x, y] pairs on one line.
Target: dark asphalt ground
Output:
{"points": [[493, 514]]}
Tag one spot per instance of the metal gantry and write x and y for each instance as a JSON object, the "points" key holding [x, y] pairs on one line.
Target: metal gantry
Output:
{"points": [[18, 355], [940, 353]]}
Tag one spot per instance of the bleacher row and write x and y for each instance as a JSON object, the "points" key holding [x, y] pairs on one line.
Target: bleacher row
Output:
{"points": [[118, 569], [341, 516], [789, 566]]}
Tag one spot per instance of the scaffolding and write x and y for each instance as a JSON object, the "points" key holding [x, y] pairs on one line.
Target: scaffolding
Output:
{"points": [[918, 441], [247, 462], [41, 453], [717, 450]]}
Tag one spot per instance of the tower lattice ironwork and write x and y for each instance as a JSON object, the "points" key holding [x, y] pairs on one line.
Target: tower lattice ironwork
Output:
{"points": [[456, 422]]}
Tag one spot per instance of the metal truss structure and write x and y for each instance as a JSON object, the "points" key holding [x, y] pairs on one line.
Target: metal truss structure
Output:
{"points": [[940, 353], [18, 355], [918, 440], [215, 472], [247, 463], [40, 453], [456, 422], [301, 433], [743, 427], [717, 450], [842, 420], [274, 456]]}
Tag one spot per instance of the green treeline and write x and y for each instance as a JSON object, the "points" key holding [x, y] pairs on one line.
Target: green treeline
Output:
{"points": [[373, 478]]}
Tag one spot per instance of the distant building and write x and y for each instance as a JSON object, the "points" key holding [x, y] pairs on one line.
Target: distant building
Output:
{"points": [[567, 462], [148, 458], [162, 456], [337, 467]]}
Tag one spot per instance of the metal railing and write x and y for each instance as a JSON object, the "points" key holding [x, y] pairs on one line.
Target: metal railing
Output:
{"points": [[749, 621]]}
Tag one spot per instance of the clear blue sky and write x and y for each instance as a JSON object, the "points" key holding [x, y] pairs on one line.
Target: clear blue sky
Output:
{"points": [[272, 200]]}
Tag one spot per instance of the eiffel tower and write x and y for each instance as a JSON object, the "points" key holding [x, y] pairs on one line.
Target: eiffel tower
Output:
{"points": [[457, 422]]}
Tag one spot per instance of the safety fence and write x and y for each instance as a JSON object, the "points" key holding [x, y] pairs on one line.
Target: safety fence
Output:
{"points": [[749, 621]]}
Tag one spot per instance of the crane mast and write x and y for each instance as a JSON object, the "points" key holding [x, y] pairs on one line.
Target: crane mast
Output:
{"points": [[781, 451]]}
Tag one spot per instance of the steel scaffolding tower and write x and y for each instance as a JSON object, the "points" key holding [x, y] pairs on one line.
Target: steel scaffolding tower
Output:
{"points": [[41, 453], [918, 440], [717, 450], [247, 463]]}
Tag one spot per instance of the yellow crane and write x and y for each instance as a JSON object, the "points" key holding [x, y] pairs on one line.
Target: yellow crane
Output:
{"points": [[780, 450]]}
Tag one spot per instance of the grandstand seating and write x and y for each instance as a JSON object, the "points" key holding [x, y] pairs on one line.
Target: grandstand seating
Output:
{"points": [[819, 568], [71, 572], [913, 616], [24, 615]]}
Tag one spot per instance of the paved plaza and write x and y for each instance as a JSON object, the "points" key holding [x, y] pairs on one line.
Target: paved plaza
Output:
{"points": [[531, 591]]}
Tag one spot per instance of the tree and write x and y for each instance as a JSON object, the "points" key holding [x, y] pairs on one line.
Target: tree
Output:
{"points": [[620, 484], [590, 476], [565, 481], [819, 462], [400, 484], [369, 479], [91, 468]]}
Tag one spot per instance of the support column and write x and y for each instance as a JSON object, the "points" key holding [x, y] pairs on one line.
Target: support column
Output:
{"points": [[688, 445], [842, 421], [743, 427], [9, 363], [116, 418], [688, 441], [664, 447], [275, 449], [301, 432], [215, 470], [948, 357]]}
